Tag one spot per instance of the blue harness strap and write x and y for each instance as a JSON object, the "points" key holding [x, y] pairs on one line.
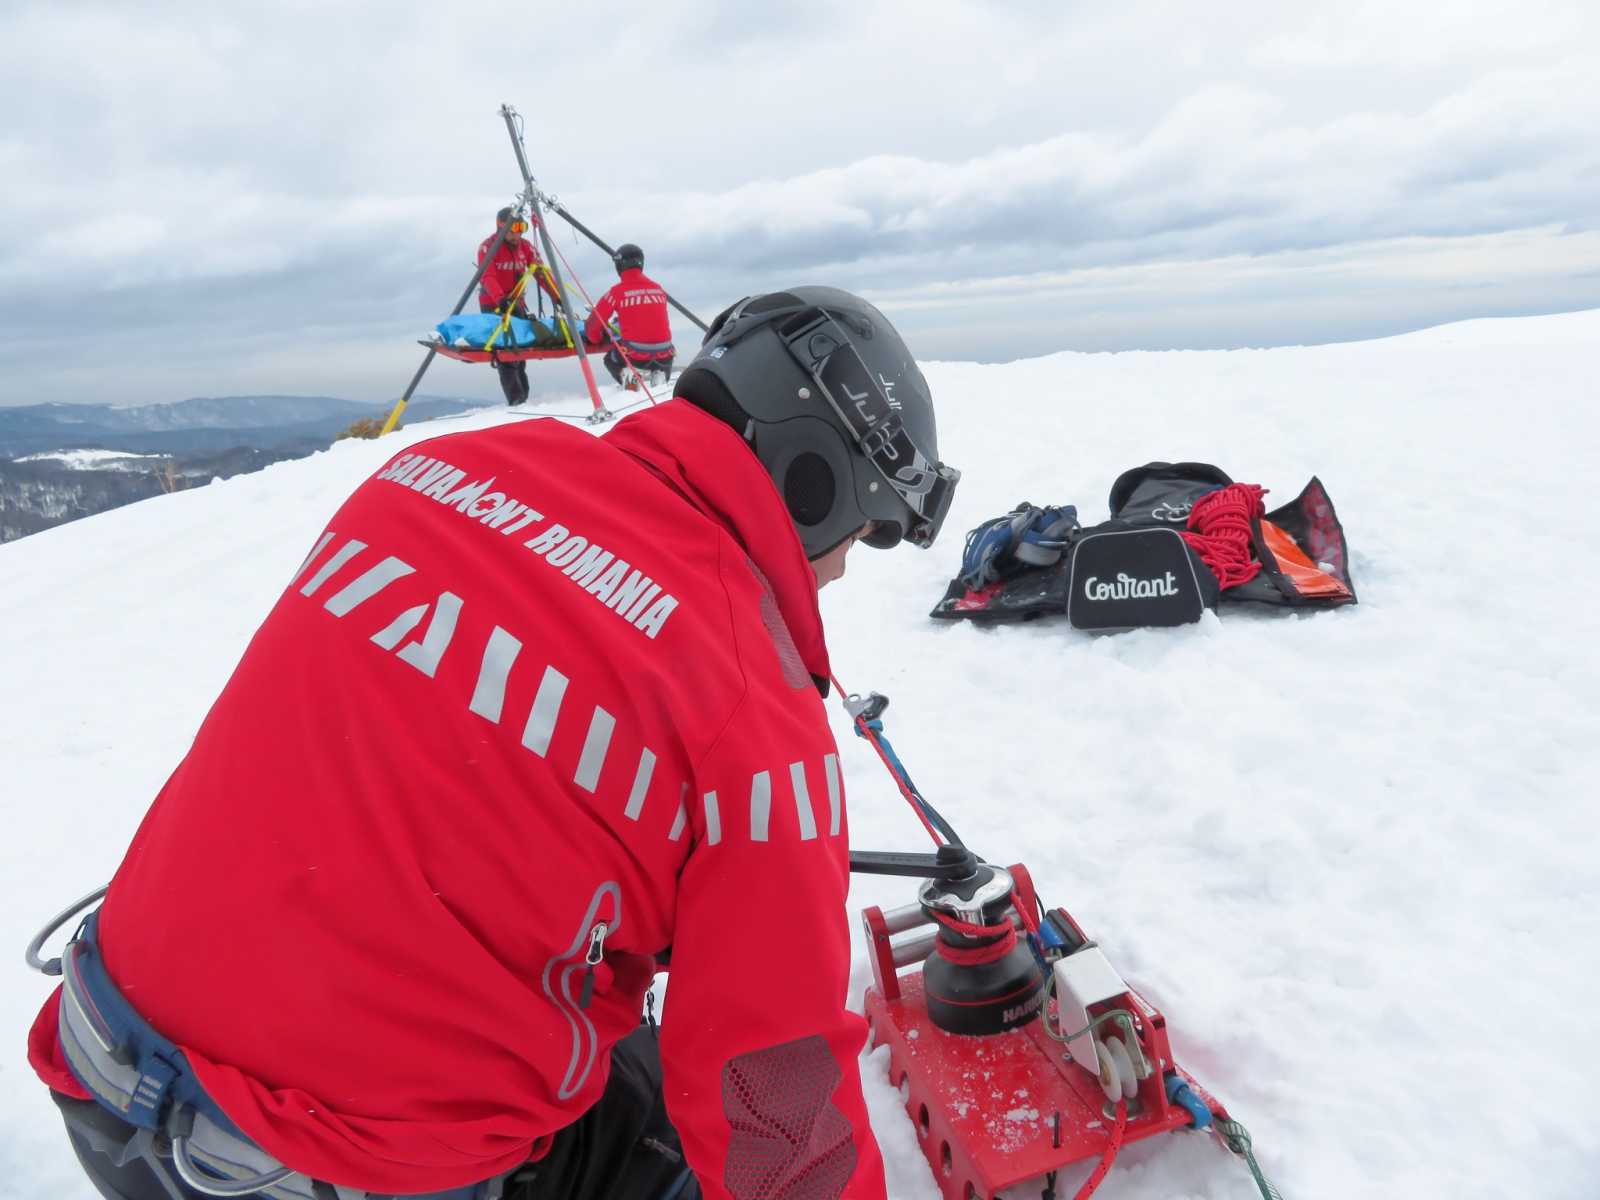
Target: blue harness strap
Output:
{"points": [[643, 347], [143, 1079], [114, 1052]]}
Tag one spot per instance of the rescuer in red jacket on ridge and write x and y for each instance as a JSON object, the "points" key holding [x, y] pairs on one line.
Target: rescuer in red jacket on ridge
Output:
{"points": [[538, 711], [499, 281], [644, 330]]}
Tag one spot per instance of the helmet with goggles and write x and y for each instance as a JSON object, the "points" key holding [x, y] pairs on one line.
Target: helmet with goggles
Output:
{"points": [[823, 389], [510, 215]]}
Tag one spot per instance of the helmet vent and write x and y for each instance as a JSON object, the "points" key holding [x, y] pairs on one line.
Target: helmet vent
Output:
{"points": [[771, 301], [794, 324], [808, 489]]}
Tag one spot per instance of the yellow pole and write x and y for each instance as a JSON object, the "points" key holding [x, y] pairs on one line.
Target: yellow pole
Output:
{"points": [[394, 418]]}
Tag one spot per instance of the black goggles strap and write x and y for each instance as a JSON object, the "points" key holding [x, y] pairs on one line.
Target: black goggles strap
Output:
{"points": [[866, 408]]}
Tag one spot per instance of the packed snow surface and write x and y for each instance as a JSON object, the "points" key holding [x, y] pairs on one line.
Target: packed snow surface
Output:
{"points": [[86, 460], [1351, 855]]}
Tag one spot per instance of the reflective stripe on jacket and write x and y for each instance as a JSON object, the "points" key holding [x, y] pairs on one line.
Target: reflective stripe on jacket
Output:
{"points": [[534, 699], [640, 306], [512, 260]]}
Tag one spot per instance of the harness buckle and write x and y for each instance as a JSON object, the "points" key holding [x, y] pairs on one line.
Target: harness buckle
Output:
{"points": [[155, 1078]]}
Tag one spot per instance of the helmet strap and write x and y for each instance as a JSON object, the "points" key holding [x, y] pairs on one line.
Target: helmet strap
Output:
{"points": [[870, 414]]}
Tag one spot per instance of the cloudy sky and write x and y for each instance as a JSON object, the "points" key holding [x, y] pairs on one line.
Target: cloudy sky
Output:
{"points": [[212, 199]]}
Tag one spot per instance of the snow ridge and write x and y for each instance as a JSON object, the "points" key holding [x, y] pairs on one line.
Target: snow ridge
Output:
{"points": [[1351, 855]]}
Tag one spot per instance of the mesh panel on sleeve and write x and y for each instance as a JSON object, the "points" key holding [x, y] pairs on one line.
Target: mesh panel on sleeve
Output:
{"points": [[789, 661], [789, 1142]]}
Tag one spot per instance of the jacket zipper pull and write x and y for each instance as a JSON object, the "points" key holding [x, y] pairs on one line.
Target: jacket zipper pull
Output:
{"points": [[591, 960]]}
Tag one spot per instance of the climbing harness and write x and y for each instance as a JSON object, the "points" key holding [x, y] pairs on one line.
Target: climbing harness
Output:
{"points": [[1026, 537], [159, 1110]]}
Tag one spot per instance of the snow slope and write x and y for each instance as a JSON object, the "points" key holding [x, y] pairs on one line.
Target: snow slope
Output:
{"points": [[1353, 856], [87, 460]]}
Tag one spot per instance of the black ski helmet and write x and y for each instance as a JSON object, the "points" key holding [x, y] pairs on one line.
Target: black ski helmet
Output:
{"points": [[627, 255], [822, 388]]}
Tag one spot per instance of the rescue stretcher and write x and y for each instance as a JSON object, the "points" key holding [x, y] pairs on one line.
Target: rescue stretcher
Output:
{"points": [[505, 354]]}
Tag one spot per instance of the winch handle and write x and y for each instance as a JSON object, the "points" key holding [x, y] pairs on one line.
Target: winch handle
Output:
{"points": [[949, 864], [53, 966]]}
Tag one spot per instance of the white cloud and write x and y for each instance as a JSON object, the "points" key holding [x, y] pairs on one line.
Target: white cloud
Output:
{"points": [[309, 168]]}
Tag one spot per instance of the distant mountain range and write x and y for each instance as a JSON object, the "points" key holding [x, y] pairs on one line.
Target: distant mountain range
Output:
{"points": [[199, 424], [58, 462]]}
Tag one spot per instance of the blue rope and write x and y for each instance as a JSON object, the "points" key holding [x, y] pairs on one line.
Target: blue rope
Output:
{"points": [[875, 725], [888, 752]]}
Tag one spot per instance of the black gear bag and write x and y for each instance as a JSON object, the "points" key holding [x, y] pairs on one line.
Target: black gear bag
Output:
{"points": [[1131, 578], [1111, 576], [1137, 569], [1300, 545]]}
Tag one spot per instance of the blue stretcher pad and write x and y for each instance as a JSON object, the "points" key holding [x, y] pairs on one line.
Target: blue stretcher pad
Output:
{"points": [[472, 330]]}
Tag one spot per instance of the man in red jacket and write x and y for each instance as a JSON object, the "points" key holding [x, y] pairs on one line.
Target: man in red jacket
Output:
{"points": [[497, 290], [538, 711], [643, 331]]}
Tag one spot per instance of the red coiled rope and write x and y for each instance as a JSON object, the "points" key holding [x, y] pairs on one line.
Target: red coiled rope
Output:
{"points": [[975, 956], [1220, 533]]}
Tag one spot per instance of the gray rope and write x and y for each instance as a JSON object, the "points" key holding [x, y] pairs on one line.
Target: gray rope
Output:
{"points": [[1237, 1138], [1234, 1135]]}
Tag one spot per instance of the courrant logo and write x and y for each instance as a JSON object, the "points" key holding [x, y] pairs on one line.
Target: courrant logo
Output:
{"points": [[1130, 587]]}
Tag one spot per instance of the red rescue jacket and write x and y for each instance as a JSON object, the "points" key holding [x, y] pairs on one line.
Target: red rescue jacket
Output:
{"points": [[640, 306], [508, 266], [531, 692]]}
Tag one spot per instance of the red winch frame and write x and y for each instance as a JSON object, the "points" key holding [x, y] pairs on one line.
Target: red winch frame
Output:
{"points": [[502, 354], [992, 1112]]}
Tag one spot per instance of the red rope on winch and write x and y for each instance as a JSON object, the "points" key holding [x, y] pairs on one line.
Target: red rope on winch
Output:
{"points": [[1030, 919], [975, 956], [1219, 532], [1110, 1155]]}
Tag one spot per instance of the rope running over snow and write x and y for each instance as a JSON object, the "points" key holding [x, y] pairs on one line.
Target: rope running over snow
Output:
{"points": [[1110, 1155], [1237, 1138]]}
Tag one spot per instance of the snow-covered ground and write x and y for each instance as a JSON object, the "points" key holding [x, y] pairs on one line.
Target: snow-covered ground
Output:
{"points": [[1353, 856], [88, 460]]}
